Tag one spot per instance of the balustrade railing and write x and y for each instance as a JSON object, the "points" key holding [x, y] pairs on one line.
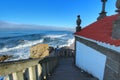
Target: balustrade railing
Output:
{"points": [[32, 69], [66, 53], [29, 69]]}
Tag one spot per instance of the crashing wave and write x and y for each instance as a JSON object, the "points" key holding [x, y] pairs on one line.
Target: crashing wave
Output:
{"points": [[19, 46], [69, 42], [27, 44], [55, 36]]}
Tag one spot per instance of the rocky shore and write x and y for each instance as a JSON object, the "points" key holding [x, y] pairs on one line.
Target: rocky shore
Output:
{"points": [[37, 51]]}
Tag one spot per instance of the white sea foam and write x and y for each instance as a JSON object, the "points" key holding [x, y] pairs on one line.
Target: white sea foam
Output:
{"points": [[27, 44], [55, 36], [22, 51], [69, 42]]}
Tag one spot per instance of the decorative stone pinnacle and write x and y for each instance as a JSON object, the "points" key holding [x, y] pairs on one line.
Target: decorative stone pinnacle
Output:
{"points": [[118, 6], [103, 5], [103, 13], [78, 22], [103, 0]]}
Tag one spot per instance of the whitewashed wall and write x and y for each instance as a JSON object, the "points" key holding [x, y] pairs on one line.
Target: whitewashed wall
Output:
{"points": [[90, 60]]}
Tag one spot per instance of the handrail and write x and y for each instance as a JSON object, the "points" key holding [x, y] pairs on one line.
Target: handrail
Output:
{"points": [[66, 52], [13, 66], [32, 69], [28, 69]]}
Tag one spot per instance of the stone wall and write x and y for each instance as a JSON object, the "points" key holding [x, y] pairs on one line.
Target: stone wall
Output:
{"points": [[116, 30], [112, 68]]}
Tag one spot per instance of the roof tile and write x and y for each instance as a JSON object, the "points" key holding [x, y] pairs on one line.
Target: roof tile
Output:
{"points": [[101, 30]]}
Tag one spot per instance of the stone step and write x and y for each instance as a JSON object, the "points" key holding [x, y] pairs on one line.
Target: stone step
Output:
{"points": [[67, 71], [71, 78]]}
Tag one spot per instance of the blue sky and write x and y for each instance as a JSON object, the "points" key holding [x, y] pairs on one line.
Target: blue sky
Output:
{"points": [[60, 13]]}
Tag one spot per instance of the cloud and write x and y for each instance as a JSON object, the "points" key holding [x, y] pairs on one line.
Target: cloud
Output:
{"points": [[12, 26]]}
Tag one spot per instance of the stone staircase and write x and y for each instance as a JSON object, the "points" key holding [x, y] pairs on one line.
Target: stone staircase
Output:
{"points": [[66, 70]]}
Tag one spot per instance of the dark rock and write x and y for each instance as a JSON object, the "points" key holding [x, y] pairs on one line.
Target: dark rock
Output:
{"points": [[4, 57], [51, 49]]}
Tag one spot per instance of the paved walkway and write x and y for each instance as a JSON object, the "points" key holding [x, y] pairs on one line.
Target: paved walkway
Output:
{"points": [[67, 71]]}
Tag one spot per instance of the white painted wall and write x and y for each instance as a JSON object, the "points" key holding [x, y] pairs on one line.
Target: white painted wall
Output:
{"points": [[90, 60]]}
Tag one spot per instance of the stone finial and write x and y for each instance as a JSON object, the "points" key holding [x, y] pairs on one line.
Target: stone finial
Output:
{"points": [[103, 5], [103, 13], [118, 6], [103, 0], [78, 22]]}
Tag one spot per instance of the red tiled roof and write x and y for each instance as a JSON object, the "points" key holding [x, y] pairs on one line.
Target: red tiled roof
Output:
{"points": [[100, 30]]}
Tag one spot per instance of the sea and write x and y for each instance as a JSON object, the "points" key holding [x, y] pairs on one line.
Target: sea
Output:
{"points": [[18, 43]]}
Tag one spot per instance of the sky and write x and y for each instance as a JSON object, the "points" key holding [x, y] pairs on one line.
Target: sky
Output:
{"points": [[59, 13]]}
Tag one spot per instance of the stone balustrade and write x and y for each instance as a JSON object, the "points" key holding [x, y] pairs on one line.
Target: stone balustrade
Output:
{"points": [[66, 52], [29, 69]]}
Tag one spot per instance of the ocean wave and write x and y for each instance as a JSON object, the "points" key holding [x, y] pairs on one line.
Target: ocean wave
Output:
{"points": [[55, 36], [69, 42], [27, 44], [19, 46]]}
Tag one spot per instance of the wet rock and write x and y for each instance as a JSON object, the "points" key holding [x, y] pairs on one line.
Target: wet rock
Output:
{"points": [[39, 51], [4, 57]]}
